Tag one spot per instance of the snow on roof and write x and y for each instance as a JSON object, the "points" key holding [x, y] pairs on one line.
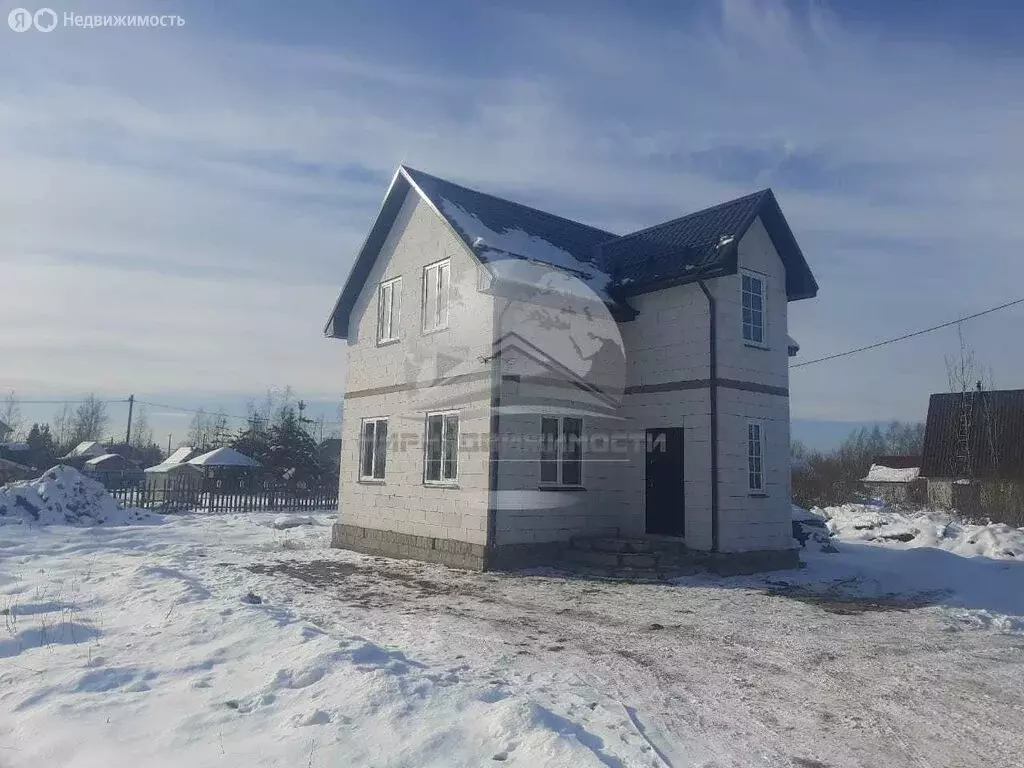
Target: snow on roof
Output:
{"points": [[180, 456], [515, 246], [86, 448], [168, 467], [102, 458], [223, 457], [882, 474]]}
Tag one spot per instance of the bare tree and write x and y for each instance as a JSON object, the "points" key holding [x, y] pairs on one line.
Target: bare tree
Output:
{"points": [[90, 420], [208, 431], [63, 423], [142, 433], [10, 414], [199, 430], [963, 372]]}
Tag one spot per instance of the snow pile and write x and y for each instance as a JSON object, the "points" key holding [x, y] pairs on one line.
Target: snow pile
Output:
{"points": [[882, 474], [928, 528], [810, 530], [64, 496], [281, 522]]}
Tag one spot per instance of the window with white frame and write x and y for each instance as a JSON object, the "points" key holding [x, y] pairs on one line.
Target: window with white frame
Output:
{"points": [[373, 449], [755, 457], [753, 296], [389, 310], [441, 452], [436, 287], [561, 450]]}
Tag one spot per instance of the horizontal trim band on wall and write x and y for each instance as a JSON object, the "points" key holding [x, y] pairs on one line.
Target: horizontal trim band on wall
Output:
{"points": [[677, 386], [638, 389], [410, 386]]}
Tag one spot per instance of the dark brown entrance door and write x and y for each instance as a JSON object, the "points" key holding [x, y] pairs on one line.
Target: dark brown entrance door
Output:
{"points": [[665, 509]]}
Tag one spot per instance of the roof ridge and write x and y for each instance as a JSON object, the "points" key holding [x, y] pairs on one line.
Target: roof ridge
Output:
{"points": [[678, 219], [513, 202]]}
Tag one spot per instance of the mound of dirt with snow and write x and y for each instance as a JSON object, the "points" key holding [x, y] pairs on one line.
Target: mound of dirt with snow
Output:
{"points": [[928, 528], [64, 496]]}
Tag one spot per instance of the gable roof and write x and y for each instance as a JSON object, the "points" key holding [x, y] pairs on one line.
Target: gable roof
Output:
{"points": [[698, 246], [223, 457], [995, 438], [90, 448], [181, 455], [703, 245]]}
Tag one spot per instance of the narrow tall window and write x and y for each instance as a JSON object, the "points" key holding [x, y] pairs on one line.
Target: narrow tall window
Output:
{"points": [[755, 457], [561, 450], [389, 310], [436, 287], [753, 309], [441, 459], [373, 449]]}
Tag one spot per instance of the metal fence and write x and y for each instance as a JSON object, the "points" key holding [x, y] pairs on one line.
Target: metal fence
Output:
{"points": [[257, 500]]}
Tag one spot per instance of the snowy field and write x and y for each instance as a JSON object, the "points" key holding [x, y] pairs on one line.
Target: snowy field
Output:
{"points": [[222, 640]]}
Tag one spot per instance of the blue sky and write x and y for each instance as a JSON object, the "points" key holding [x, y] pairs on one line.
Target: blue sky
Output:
{"points": [[179, 206]]}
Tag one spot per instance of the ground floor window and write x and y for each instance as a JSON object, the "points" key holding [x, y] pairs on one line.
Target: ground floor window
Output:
{"points": [[373, 449], [561, 451], [755, 457], [441, 455]]}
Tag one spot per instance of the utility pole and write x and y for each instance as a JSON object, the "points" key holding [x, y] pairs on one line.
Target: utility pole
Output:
{"points": [[131, 407], [168, 443]]}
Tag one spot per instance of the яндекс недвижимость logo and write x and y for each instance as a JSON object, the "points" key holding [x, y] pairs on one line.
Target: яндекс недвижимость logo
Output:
{"points": [[22, 19]]}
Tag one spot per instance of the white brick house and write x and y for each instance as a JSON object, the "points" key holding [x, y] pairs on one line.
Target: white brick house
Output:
{"points": [[516, 379]]}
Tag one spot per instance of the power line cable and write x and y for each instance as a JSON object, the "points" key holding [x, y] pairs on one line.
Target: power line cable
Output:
{"points": [[908, 335]]}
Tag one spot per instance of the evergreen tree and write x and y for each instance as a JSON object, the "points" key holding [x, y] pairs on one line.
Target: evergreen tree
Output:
{"points": [[293, 452], [43, 451]]}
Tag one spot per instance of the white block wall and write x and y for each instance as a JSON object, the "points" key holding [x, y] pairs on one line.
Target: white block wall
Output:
{"points": [[750, 521], [403, 502]]}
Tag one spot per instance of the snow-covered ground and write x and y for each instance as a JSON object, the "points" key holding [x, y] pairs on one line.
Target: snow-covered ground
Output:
{"points": [[244, 640]]}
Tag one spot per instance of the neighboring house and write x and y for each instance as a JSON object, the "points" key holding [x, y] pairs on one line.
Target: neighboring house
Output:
{"points": [[175, 473], [894, 479], [12, 471], [81, 453], [974, 452], [225, 469], [113, 470], [517, 379]]}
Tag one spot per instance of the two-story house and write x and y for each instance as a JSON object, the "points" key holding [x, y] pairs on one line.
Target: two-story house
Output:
{"points": [[517, 380]]}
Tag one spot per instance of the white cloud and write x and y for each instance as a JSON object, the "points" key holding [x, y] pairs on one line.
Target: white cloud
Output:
{"points": [[179, 211]]}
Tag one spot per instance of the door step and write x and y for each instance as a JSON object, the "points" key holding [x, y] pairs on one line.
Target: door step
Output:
{"points": [[640, 559]]}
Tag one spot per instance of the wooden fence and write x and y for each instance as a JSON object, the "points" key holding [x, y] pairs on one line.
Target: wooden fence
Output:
{"points": [[257, 500]]}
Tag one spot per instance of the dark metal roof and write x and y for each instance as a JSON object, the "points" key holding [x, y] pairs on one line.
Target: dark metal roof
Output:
{"points": [[502, 215], [698, 246], [995, 437], [703, 245]]}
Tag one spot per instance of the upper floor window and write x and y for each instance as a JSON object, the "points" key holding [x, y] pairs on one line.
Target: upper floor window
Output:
{"points": [[442, 448], [373, 447], [755, 457], [389, 310], [753, 308], [561, 450], [436, 286]]}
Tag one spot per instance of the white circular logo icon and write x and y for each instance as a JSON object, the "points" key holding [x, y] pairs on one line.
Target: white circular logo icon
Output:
{"points": [[45, 19], [20, 20]]}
